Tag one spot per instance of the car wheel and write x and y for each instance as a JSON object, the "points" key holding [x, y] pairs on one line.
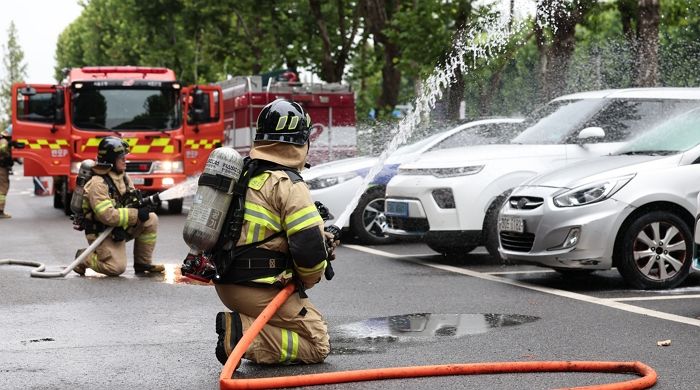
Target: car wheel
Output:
{"points": [[490, 228], [450, 250], [175, 206], [656, 251], [368, 221]]}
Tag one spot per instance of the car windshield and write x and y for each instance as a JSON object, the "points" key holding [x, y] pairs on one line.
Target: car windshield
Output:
{"points": [[673, 136], [417, 146], [126, 109], [484, 134], [620, 119], [552, 123]]}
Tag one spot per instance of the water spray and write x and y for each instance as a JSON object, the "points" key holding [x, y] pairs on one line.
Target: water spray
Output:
{"points": [[471, 44]]}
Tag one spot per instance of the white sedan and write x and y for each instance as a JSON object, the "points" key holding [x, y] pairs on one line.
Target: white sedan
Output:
{"points": [[634, 210], [335, 183], [451, 198]]}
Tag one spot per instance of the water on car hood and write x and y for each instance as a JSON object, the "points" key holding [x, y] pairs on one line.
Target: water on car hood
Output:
{"points": [[480, 153], [599, 168]]}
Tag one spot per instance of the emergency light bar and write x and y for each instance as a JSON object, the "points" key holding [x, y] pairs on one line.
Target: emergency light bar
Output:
{"points": [[122, 69]]}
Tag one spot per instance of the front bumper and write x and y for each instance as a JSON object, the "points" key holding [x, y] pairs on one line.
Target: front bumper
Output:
{"points": [[546, 228]]}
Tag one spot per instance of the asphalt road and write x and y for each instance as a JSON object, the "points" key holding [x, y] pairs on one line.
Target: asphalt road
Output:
{"points": [[388, 306]]}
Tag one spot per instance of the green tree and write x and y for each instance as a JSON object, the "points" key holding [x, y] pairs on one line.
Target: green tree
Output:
{"points": [[14, 69]]}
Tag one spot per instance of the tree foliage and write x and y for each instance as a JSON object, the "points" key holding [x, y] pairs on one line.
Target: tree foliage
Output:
{"points": [[386, 47], [14, 70]]}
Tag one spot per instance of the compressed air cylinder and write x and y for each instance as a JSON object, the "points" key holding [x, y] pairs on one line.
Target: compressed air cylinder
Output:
{"points": [[211, 202], [84, 174]]}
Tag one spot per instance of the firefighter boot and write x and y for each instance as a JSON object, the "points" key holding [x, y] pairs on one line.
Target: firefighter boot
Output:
{"points": [[80, 268], [230, 331], [149, 268], [144, 244]]}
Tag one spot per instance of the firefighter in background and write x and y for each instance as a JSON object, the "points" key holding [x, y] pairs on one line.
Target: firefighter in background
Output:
{"points": [[103, 205], [6, 163], [277, 200]]}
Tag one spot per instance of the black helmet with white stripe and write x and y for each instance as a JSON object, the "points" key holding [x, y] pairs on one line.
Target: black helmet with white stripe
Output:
{"points": [[283, 121], [109, 150]]}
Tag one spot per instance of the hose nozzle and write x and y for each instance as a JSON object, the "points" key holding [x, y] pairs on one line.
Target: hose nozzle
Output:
{"points": [[151, 201]]}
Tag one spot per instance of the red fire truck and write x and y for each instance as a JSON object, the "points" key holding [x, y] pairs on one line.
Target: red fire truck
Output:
{"points": [[331, 107], [171, 129]]}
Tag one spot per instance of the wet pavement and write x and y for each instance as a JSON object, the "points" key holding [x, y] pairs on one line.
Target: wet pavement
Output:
{"points": [[158, 332]]}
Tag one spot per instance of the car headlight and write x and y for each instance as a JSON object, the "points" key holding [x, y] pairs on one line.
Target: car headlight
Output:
{"points": [[330, 180], [591, 193], [167, 167], [443, 172]]}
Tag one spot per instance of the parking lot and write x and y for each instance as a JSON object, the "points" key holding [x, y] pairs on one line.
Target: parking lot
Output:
{"points": [[604, 288], [135, 332]]}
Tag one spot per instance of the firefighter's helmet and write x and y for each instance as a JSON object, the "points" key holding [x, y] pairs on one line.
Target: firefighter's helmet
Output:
{"points": [[109, 150], [283, 121]]}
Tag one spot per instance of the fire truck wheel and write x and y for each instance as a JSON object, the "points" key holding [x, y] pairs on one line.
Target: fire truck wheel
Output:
{"points": [[175, 206], [66, 203], [58, 192]]}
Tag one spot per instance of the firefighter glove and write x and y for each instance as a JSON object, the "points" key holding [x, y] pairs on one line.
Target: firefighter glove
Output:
{"points": [[331, 244], [143, 213]]}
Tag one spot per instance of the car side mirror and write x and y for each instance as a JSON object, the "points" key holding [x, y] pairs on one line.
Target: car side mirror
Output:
{"points": [[591, 132], [59, 100]]}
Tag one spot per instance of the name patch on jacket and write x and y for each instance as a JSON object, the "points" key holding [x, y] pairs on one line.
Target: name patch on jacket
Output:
{"points": [[257, 182]]}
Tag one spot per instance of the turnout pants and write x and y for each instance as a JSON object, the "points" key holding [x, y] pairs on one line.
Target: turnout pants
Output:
{"points": [[110, 256], [297, 333], [4, 186]]}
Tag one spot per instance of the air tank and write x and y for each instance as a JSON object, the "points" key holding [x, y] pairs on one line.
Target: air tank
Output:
{"points": [[84, 174], [211, 202]]}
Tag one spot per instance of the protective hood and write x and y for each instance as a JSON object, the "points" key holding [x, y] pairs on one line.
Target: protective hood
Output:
{"points": [[289, 155]]}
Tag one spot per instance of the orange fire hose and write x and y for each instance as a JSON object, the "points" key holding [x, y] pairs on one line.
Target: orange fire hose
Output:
{"points": [[226, 380]]}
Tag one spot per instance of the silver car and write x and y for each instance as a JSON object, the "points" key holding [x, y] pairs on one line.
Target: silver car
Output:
{"points": [[634, 210]]}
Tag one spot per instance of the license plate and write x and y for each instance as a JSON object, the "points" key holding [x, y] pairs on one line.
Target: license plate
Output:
{"points": [[138, 181], [511, 224], [399, 209]]}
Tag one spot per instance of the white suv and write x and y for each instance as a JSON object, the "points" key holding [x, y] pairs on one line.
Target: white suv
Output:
{"points": [[451, 198]]}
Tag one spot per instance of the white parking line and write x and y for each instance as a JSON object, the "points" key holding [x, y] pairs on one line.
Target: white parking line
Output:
{"points": [[546, 290], [655, 298], [538, 271]]}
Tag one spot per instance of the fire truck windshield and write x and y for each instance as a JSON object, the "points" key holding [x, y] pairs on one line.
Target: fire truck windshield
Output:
{"points": [[126, 109]]}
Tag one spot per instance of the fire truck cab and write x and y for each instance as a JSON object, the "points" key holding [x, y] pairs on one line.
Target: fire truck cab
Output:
{"points": [[331, 107], [171, 129]]}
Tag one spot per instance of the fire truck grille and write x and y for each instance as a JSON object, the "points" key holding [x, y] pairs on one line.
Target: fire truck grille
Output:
{"points": [[138, 166]]}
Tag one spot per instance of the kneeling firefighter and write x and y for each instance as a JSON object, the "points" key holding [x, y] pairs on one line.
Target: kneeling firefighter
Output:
{"points": [[280, 239], [109, 199]]}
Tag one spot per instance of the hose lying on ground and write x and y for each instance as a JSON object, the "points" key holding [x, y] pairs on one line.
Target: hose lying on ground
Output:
{"points": [[39, 272], [226, 380]]}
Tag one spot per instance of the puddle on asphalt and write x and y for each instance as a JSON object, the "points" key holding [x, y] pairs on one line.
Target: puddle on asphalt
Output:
{"points": [[375, 334]]}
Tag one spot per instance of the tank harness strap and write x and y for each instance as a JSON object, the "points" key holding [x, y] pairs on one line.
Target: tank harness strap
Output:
{"points": [[233, 261], [217, 182], [118, 233]]}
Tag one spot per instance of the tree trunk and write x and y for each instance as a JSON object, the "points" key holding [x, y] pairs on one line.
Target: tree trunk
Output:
{"points": [[378, 14], [648, 33], [456, 92], [556, 57]]}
